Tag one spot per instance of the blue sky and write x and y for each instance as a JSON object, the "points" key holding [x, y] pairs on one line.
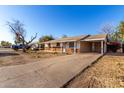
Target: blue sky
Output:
{"points": [[59, 20]]}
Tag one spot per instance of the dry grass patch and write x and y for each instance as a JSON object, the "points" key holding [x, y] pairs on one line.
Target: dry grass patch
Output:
{"points": [[42, 54], [107, 72]]}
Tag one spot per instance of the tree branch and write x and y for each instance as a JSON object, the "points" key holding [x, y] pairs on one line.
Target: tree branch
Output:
{"points": [[32, 38], [12, 28]]}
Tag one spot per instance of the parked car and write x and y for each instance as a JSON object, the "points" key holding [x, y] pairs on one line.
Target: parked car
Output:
{"points": [[16, 47]]}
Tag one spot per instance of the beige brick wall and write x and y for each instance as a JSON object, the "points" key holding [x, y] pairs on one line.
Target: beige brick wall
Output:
{"points": [[97, 47], [85, 47]]}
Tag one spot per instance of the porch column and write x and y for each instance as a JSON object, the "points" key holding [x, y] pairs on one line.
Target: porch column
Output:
{"points": [[62, 47], [102, 48], [66, 47], [75, 47]]}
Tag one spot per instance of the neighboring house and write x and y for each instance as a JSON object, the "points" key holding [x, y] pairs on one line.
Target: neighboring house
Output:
{"points": [[78, 44], [34, 46]]}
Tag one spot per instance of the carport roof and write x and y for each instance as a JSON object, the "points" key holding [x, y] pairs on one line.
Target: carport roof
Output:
{"points": [[68, 39], [96, 37]]}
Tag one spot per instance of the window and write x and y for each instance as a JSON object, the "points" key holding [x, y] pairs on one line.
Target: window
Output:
{"points": [[71, 44], [58, 44]]}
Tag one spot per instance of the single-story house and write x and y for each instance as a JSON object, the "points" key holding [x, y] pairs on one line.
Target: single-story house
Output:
{"points": [[78, 44]]}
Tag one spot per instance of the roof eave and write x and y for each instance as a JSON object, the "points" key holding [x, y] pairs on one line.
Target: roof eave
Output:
{"points": [[100, 39], [60, 41]]}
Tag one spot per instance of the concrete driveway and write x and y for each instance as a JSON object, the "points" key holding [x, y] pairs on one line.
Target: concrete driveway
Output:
{"points": [[52, 72]]}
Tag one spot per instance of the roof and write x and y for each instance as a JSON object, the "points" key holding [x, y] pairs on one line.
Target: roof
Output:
{"points": [[96, 37], [82, 37], [67, 39]]}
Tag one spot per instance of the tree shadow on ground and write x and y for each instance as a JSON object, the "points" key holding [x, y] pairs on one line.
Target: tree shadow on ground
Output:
{"points": [[115, 54], [8, 54]]}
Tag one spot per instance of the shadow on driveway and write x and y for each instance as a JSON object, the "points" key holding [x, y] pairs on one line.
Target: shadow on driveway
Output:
{"points": [[8, 54]]}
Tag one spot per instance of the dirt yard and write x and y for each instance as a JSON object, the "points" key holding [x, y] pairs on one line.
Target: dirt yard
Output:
{"points": [[107, 72], [9, 57]]}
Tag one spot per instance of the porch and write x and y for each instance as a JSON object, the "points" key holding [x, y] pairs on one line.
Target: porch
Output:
{"points": [[79, 44], [77, 47], [62, 47]]}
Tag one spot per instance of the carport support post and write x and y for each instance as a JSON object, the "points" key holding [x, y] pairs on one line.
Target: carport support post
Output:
{"points": [[105, 47], [102, 48], [74, 47]]}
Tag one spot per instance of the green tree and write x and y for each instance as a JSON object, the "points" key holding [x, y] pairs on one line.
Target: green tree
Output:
{"points": [[121, 31], [6, 43], [46, 38]]}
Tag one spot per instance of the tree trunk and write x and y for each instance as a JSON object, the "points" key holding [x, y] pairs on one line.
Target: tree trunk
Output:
{"points": [[24, 47]]}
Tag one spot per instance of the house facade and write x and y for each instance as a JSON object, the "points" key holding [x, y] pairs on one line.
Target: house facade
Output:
{"points": [[78, 44]]}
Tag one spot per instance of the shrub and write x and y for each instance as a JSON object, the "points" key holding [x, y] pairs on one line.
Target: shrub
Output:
{"points": [[113, 46]]}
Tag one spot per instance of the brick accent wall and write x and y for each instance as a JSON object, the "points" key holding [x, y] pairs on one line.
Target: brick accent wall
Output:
{"points": [[53, 49], [69, 51]]}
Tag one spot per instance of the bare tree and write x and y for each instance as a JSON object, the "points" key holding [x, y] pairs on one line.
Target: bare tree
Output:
{"points": [[17, 28], [110, 31]]}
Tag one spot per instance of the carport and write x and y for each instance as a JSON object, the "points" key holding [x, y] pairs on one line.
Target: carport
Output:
{"points": [[94, 43]]}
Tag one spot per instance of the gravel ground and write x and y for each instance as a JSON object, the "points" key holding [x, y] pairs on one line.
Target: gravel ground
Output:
{"points": [[108, 72]]}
